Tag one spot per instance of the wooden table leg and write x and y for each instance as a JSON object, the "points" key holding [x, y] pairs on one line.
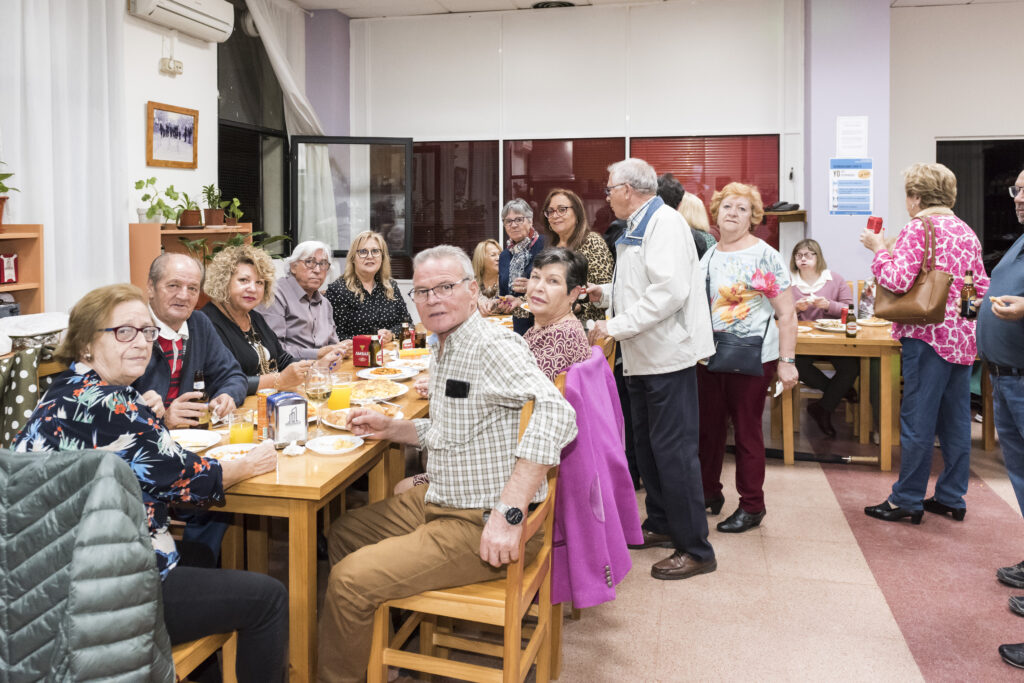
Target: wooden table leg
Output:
{"points": [[257, 553], [379, 476], [302, 590], [776, 417], [864, 408], [232, 548], [788, 435], [897, 397], [885, 391], [396, 465], [988, 415]]}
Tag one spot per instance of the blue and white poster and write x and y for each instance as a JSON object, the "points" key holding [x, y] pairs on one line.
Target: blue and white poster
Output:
{"points": [[850, 187]]}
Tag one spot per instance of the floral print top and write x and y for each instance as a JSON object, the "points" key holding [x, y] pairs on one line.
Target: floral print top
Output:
{"points": [[81, 411], [742, 285], [558, 345], [957, 250]]}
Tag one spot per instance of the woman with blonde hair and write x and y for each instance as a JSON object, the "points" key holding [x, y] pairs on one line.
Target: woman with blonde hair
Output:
{"points": [[366, 300], [485, 270], [696, 214]]}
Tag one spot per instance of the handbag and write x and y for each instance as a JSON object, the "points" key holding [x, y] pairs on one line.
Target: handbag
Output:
{"points": [[735, 354], [925, 302]]}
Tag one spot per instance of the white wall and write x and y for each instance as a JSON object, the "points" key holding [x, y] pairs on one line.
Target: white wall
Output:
{"points": [[196, 88], [954, 75]]}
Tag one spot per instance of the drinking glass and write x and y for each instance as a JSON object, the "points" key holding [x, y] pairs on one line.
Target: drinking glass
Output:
{"points": [[341, 391], [241, 427], [318, 388]]}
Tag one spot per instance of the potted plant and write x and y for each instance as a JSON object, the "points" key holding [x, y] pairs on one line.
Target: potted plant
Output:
{"points": [[200, 249], [213, 214], [4, 189], [189, 215], [233, 210], [152, 197]]}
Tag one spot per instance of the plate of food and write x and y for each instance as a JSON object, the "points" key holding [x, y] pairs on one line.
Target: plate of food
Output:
{"points": [[338, 419], [873, 322], [417, 364], [377, 390], [392, 372], [830, 325], [334, 445], [232, 451], [195, 440]]}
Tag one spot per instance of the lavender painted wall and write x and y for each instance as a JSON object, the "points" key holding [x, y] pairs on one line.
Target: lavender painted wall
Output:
{"points": [[327, 69], [846, 74]]}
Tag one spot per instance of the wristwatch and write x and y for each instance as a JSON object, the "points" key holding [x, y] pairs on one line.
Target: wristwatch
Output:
{"points": [[512, 515], [788, 360]]}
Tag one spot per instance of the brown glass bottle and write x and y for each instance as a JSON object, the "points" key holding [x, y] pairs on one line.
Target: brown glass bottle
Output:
{"points": [[199, 384], [968, 295], [851, 321]]}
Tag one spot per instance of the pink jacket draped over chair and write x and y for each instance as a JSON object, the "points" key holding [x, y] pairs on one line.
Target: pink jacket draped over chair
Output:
{"points": [[596, 512]]}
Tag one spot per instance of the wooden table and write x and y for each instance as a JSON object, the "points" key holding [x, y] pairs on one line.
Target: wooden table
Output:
{"points": [[871, 342], [301, 486]]}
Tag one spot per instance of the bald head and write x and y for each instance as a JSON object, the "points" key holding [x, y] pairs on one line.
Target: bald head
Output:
{"points": [[173, 288]]}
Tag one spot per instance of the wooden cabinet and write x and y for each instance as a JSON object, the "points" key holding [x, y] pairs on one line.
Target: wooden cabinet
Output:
{"points": [[27, 242], [146, 241]]}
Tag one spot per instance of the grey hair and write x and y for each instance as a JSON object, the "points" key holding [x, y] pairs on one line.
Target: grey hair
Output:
{"points": [[160, 263], [304, 250], [636, 173], [446, 252], [519, 206]]}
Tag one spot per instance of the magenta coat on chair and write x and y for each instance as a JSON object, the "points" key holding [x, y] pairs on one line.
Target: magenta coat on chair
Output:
{"points": [[596, 512]]}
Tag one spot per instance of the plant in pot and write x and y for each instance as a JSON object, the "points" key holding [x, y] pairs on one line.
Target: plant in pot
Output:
{"points": [[233, 210], [151, 196], [189, 215], [4, 189], [213, 214]]}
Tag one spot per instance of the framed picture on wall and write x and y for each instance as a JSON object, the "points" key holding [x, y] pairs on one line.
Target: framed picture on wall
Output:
{"points": [[172, 136]]}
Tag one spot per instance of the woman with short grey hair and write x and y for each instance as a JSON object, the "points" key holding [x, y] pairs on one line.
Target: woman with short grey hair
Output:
{"points": [[516, 262]]}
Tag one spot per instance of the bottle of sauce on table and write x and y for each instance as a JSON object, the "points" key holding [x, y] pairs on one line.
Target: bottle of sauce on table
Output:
{"points": [[376, 352]]}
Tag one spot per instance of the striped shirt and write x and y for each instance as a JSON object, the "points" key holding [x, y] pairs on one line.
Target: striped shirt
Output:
{"points": [[473, 440], [172, 343]]}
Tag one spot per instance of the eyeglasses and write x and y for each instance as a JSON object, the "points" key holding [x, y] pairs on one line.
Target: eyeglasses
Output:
{"points": [[560, 210], [125, 333], [313, 264], [367, 253], [608, 190], [518, 220], [440, 291], [1015, 190], [805, 255]]}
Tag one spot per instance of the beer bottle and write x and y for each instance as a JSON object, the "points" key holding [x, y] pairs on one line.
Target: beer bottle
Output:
{"points": [[408, 337], [851, 321], [376, 354], [199, 384], [967, 297]]}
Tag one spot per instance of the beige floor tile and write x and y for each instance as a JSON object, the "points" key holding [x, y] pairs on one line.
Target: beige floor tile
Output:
{"points": [[820, 560], [807, 522]]}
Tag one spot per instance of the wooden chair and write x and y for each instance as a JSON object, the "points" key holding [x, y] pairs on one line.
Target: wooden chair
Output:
{"points": [[502, 603], [187, 656], [608, 346]]}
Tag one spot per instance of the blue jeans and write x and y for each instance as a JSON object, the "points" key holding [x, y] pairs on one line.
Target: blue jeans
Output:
{"points": [[1008, 398], [936, 400]]}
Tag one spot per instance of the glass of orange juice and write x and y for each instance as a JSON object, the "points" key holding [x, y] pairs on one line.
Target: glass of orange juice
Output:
{"points": [[240, 428], [341, 391]]}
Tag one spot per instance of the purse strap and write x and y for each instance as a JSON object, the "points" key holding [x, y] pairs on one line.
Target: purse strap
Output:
{"points": [[707, 288], [928, 262]]}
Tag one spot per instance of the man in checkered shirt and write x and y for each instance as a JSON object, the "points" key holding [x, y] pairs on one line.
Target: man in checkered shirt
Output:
{"points": [[465, 525]]}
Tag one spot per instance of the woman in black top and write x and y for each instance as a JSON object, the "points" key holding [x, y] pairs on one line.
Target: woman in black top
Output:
{"points": [[237, 280], [365, 299]]}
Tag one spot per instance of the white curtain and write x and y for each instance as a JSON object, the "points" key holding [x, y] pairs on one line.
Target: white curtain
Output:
{"points": [[282, 28], [61, 128]]}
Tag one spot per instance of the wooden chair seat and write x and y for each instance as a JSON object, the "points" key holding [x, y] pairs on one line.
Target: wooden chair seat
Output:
{"points": [[187, 656]]}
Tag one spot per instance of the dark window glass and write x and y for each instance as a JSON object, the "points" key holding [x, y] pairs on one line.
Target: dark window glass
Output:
{"points": [[249, 90]]}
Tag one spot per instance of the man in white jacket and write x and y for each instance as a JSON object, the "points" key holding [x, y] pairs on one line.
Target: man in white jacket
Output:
{"points": [[661, 320]]}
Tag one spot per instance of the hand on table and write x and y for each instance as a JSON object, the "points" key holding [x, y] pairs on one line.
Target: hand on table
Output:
{"points": [[788, 375], [259, 460], [422, 386], [499, 542], [485, 306], [344, 347], [366, 422], [221, 406], [506, 304], [1008, 307], [294, 374], [155, 402], [185, 410], [385, 336]]}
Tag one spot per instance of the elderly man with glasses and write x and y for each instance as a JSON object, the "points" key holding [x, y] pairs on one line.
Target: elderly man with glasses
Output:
{"points": [[299, 315], [1000, 332], [465, 525]]}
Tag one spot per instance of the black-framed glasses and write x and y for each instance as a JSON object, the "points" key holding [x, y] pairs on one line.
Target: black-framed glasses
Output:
{"points": [[1015, 190], [608, 190], [313, 264], [518, 220], [126, 333], [367, 253], [442, 291], [560, 210]]}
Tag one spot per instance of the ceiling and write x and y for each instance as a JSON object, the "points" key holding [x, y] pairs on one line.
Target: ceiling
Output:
{"points": [[932, 3]]}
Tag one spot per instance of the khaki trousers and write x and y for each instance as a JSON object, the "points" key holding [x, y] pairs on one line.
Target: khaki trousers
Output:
{"points": [[395, 548]]}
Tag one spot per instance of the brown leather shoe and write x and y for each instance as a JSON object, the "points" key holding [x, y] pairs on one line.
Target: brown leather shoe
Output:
{"points": [[681, 566], [653, 540]]}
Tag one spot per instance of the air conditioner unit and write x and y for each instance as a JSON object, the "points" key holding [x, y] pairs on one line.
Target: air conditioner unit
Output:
{"points": [[211, 20]]}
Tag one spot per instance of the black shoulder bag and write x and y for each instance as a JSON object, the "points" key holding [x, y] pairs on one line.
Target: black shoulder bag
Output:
{"points": [[735, 354]]}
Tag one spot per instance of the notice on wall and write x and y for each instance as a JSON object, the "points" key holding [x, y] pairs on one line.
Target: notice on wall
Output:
{"points": [[851, 137], [850, 187]]}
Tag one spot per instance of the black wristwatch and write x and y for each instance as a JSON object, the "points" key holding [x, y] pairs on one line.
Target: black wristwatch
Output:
{"points": [[512, 515]]}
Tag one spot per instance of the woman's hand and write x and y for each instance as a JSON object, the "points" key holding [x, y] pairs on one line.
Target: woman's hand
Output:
{"points": [[259, 460], [385, 336], [344, 347], [155, 402], [507, 304], [821, 302], [519, 285], [294, 374], [788, 375], [485, 305], [802, 305], [872, 240]]}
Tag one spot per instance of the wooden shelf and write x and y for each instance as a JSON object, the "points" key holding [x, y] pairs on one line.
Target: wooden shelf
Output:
{"points": [[27, 242], [16, 286], [798, 216], [146, 241], [221, 230], [18, 235]]}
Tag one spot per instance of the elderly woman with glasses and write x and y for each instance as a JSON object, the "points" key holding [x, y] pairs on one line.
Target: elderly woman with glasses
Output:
{"points": [[92, 405], [299, 315], [516, 262], [366, 300], [237, 280], [566, 223]]}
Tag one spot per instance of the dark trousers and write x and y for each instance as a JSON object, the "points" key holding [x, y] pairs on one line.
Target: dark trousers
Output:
{"points": [[201, 602], [620, 385], [206, 527], [834, 388], [741, 398], [665, 426]]}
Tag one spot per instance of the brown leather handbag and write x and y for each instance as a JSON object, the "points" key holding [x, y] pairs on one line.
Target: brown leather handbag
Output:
{"points": [[925, 302]]}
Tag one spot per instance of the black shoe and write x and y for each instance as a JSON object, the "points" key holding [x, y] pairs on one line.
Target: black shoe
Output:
{"points": [[1012, 576], [1013, 654], [775, 206], [787, 207], [822, 418], [740, 521], [934, 506], [1017, 605], [652, 540], [714, 505], [888, 513]]}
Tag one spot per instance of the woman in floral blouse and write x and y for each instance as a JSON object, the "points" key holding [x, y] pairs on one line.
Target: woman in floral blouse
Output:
{"points": [[748, 284], [557, 338], [92, 405]]}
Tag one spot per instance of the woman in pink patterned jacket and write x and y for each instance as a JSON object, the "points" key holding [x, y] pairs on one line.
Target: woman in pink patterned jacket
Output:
{"points": [[936, 358]]}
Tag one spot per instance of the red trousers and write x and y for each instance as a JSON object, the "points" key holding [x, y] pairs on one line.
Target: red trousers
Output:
{"points": [[740, 398]]}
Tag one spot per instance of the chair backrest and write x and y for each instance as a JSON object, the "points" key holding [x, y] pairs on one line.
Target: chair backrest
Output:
{"points": [[608, 346]]}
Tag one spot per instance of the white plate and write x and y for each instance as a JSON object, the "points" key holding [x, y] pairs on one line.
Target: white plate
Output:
{"points": [[829, 325], [418, 364], [342, 418], [873, 322], [232, 451], [371, 373], [195, 440], [334, 445], [399, 390]]}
